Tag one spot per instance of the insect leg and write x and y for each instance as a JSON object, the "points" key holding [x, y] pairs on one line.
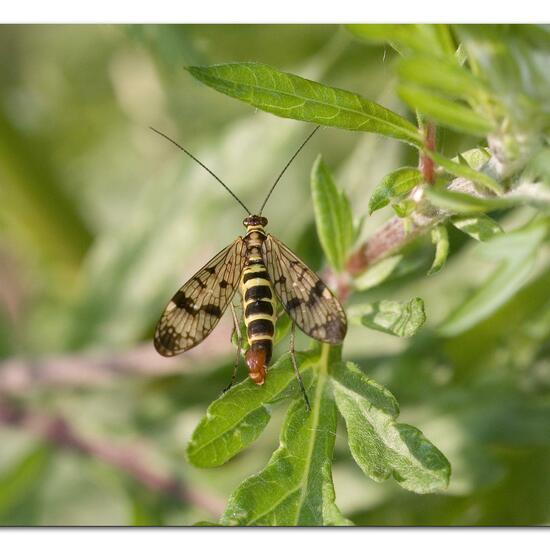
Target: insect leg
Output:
{"points": [[293, 359], [237, 331]]}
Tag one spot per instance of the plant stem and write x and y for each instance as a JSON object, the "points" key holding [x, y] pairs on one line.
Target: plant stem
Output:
{"points": [[425, 163]]}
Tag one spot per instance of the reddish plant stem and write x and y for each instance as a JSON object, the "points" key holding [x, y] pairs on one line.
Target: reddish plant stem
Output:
{"points": [[21, 375], [59, 432], [425, 163], [393, 235], [387, 240]]}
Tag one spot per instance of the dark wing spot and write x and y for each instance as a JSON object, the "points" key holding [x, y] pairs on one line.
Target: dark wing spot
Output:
{"points": [[212, 309], [316, 292], [211, 270], [293, 303], [184, 303], [199, 282], [166, 341], [223, 284], [335, 330], [319, 288]]}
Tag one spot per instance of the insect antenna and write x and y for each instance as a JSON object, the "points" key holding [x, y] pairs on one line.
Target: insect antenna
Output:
{"points": [[284, 169], [204, 166]]}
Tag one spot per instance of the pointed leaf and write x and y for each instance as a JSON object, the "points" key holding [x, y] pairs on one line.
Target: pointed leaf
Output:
{"points": [[291, 96], [474, 158], [445, 111], [380, 446], [332, 216], [404, 37], [238, 417], [466, 172], [404, 208], [440, 238], [295, 488], [462, 203], [396, 184], [481, 227], [441, 75], [397, 318]]}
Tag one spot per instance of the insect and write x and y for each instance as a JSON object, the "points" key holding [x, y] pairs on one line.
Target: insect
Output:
{"points": [[266, 272]]}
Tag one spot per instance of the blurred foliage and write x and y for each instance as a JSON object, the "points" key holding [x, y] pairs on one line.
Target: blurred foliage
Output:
{"points": [[102, 220]]}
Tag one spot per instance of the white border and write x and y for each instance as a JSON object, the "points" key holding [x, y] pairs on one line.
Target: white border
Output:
{"points": [[281, 11], [270, 539]]}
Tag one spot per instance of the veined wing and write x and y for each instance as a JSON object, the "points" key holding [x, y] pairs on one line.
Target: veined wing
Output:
{"points": [[307, 300], [199, 304]]}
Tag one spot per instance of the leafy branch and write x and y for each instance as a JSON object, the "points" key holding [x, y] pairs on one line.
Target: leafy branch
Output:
{"points": [[480, 99], [439, 78]]}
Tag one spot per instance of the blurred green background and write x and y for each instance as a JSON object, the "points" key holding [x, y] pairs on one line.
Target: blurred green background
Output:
{"points": [[102, 220]]}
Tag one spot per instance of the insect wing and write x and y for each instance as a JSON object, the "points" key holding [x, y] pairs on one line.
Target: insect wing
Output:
{"points": [[306, 299], [199, 304]]}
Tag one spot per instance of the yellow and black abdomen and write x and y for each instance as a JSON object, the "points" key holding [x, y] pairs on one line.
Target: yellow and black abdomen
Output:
{"points": [[259, 317]]}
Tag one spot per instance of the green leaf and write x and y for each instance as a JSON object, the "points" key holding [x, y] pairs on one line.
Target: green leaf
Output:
{"points": [[404, 38], [441, 75], [377, 274], [380, 446], [290, 96], [395, 185], [446, 40], [397, 318], [517, 251], [332, 216], [239, 416], [460, 170], [514, 68], [474, 158], [440, 238], [295, 488], [404, 208], [481, 227], [462, 203], [445, 111]]}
